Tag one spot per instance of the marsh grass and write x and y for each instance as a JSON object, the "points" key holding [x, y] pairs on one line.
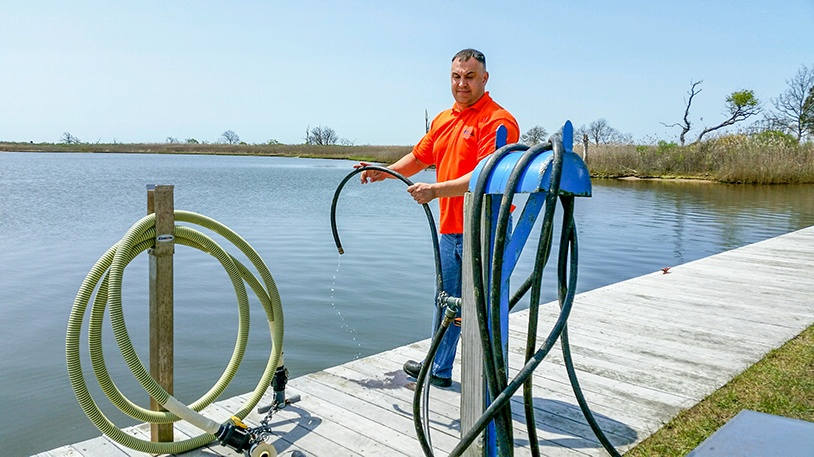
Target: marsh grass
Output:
{"points": [[384, 154], [781, 384], [750, 159]]}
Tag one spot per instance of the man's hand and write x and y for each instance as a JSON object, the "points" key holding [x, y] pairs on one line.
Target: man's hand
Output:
{"points": [[422, 192], [370, 175]]}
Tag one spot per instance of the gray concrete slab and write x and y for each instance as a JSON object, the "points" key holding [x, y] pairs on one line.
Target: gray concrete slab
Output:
{"points": [[754, 434]]}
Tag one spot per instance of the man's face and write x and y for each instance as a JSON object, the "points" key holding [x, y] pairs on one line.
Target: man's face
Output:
{"points": [[468, 81]]}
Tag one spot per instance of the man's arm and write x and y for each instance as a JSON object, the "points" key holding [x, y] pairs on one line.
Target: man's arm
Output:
{"points": [[406, 166], [425, 193]]}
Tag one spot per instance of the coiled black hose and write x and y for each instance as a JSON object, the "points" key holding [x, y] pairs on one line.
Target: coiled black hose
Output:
{"points": [[497, 267], [499, 409], [491, 360]]}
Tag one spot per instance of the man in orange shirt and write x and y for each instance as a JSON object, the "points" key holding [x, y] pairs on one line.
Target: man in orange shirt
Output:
{"points": [[457, 140]]}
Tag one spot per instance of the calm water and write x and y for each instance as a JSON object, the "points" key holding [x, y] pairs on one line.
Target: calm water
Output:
{"points": [[60, 212]]}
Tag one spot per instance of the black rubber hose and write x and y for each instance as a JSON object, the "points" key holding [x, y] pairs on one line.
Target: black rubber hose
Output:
{"points": [[490, 367], [541, 260], [497, 268], [568, 203], [433, 231], [496, 277], [499, 247], [566, 294], [423, 375], [441, 330], [505, 397], [477, 254]]}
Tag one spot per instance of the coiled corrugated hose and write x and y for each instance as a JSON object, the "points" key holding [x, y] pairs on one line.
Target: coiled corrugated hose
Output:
{"points": [[107, 275]]}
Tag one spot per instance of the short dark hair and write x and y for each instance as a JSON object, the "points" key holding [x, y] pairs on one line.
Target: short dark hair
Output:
{"points": [[468, 53]]}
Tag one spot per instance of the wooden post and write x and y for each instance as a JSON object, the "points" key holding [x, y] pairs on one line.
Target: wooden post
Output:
{"points": [[160, 202], [473, 388]]}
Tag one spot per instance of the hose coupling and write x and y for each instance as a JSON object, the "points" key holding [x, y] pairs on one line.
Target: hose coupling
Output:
{"points": [[278, 384], [235, 434], [251, 442], [452, 305]]}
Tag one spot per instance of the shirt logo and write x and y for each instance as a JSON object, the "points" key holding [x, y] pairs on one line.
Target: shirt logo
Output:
{"points": [[467, 132]]}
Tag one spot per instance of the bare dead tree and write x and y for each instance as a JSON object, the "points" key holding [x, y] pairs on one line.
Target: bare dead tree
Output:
{"points": [[534, 135], [230, 137], [322, 136], [807, 119], [67, 138], [686, 125], [741, 105], [791, 109], [426, 122], [601, 132]]}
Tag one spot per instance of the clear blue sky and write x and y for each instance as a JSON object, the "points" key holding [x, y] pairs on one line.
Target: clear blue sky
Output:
{"points": [[144, 71]]}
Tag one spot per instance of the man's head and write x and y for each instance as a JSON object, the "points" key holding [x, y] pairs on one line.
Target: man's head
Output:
{"points": [[469, 77]]}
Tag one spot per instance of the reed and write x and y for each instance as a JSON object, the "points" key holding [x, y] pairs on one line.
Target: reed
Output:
{"points": [[765, 158], [383, 154]]}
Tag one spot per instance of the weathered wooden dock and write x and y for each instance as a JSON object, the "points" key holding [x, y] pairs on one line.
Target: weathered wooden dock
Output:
{"points": [[645, 349]]}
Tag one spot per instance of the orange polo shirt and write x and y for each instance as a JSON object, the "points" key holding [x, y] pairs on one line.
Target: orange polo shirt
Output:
{"points": [[458, 139]]}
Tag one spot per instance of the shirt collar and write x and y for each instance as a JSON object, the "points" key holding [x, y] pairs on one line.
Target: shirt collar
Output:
{"points": [[477, 106]]}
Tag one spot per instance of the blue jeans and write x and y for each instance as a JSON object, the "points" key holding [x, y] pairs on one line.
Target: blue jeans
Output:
{"points": [[451, 251]]}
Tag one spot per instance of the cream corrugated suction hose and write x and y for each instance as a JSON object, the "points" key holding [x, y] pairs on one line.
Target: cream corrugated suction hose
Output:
{"points": [[107, 275]]}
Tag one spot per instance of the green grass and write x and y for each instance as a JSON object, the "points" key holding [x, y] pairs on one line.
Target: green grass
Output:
{"points": [[782, 383]]}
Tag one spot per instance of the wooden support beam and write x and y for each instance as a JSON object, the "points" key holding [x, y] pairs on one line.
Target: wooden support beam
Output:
{"points": [[473, 387], [160, 201]]}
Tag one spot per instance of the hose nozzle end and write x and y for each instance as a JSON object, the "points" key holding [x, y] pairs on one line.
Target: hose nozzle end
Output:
{"points": [[341, 251]]}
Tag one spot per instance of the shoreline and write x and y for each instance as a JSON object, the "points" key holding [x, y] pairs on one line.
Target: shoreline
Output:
{"points": [[364, 153]]}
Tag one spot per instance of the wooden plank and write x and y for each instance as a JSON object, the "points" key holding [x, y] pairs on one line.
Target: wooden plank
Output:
{"points": [[160, 202], [445, 404], [385, 408], [362, 428]]}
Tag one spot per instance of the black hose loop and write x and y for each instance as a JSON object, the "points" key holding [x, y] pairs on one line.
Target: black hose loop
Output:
{"points": [[570, 226], [496, 276], [423, 376], [477, 259], [499, 247], [430, 220], [504, 422], [502, 400]]}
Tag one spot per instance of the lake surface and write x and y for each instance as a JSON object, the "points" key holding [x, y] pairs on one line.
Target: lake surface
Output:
{"points": [[59, 212]]}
